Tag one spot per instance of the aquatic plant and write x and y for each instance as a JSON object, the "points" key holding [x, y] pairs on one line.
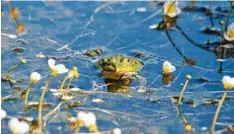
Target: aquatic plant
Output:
{"points": [[34, 78], [230, 33], [188, 126], [55, 70], [228, 84], [171, 8], [14, 14], [18, 126], [73, 73], [3, 114]]}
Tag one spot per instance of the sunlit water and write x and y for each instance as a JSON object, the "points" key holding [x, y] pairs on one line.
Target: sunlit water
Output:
{"points": [[118, 28]]}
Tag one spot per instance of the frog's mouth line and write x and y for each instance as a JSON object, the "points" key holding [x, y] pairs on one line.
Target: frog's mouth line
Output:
{"points": [[118, 75]]}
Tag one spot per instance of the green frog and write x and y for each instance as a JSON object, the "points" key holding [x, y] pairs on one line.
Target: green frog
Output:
{"points": [[119, 66]]}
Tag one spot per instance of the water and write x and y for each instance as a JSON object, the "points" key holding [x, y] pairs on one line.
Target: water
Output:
{"points": [[118, 28]]}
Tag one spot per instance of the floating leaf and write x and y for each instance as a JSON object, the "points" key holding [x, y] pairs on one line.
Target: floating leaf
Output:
{"points": [[190, 62], [211, 31], [175, 99], [18, 50], [94, 52], [139, 55], [34, 105], [190, 102], [209, 102], [74, 104]]}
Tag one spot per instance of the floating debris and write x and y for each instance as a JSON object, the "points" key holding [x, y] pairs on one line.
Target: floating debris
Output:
{"points": [[98, 100], [94, 52], [211, 31], [141, 9], [74, 104], [34, 105], [190, 102], [175, 99], [209, 102], [191, 62], [18, 50], [139, 55]]}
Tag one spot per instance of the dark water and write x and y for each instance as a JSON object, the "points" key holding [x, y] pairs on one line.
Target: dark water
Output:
{"points": [[119, 28]]}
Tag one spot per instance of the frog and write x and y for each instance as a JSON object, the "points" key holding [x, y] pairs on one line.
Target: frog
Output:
{"points": [[119, 66]]}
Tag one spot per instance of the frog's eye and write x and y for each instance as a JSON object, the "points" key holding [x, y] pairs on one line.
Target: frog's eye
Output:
{"points": [[128, 60], [109, 60]]}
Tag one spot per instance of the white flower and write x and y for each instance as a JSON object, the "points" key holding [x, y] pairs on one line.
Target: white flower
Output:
{"points": [[228, 82], [56, 69], [73, 73], [81, 116], [3, 114], [168, 68], [35, 77], [230, 33], [171, 9], [18, 127], [88, 118], [116, 131]]}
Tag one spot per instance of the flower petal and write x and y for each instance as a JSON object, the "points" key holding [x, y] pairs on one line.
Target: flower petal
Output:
{"points": [[90, 120], [3, 113], [172, 68], [23, 127], [35, 77], [51, 63], [171, 8], [82, 116], [226, 79], [12, 124], [166, 63], [61, 68]]}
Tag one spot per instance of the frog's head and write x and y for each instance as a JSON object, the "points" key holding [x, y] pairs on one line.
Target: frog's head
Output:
{"points": [[119, 65]]}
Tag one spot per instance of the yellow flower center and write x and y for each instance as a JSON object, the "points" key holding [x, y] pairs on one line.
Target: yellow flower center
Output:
{"points": [[93, 128], [170, 8], [14, 13], [33, 80], [166, 69], [54, 72], [80, 123], [20, 29], [230, 33], [228, 86]]}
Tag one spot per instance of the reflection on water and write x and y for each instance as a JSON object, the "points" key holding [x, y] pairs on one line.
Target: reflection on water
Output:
{"points": [[118, 86]]}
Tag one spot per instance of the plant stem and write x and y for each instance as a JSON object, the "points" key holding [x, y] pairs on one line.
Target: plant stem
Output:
{"points": [[62, 85], [41, 104], [10, 69], [222, 31], [173, 44], [229, 14], [179, 101], [190, 40], [68, 86], [26, 96], [217, 112]]}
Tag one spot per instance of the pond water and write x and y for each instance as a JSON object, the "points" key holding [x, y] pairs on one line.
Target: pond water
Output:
{"points": [[119, 27]]}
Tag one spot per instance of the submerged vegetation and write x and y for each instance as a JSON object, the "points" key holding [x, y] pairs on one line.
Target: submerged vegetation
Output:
{"points": [[64, 104]]}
